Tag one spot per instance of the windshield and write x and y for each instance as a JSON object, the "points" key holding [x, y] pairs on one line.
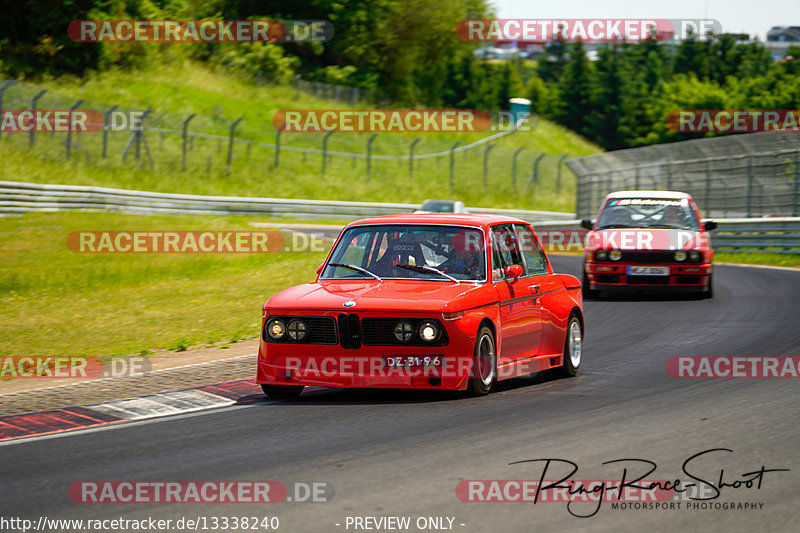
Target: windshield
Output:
{"points": [[648, 213], [433, 252]]}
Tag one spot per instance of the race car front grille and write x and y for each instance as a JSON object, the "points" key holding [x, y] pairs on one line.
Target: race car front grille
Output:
{"points": [[321, 330], [655, 256], [648, 280], [349, 330], [380, 332]]}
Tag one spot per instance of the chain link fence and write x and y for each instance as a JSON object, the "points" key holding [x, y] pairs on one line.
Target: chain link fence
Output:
{"points": [[747, 175], [217, 145]]}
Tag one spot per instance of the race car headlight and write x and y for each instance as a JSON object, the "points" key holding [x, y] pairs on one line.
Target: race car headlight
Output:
{"points": [[428, 331], [404, 331], [695, 256], [601, 255], [615, 255], [276, 329], [297, 330], [680, 255]]}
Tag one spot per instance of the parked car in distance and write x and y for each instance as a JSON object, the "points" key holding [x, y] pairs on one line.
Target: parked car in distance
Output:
{"points": [[442, 206], [648, 240]]}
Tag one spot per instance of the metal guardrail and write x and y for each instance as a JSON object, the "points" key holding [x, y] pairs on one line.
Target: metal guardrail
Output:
{"points": [[21, 197], [775, 235]]}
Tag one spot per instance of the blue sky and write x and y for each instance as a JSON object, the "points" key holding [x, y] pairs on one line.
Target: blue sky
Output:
{"points": [[753, 17]]}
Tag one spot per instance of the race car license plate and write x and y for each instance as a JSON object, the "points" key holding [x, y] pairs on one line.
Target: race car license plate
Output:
{"points": [[412, 361], [648, 271]]}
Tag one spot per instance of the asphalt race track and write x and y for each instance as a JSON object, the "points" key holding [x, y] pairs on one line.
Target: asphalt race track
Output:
{"points": [[396, 453]]}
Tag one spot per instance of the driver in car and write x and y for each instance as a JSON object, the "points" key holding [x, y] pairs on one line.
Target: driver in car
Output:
{"points": [[460, 262]]}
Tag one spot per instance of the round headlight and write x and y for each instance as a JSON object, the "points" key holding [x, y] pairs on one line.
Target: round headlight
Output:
{"points": [[297, 330], [601, 255], [695, 256], [276, 329], [680, 255], [615, 255], [428, 331], [404, 331]]}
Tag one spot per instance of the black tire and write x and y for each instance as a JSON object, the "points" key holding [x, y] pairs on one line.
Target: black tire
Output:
{"points": [[282, 392], [705, 295], [588, 294], [570, 364], [483, 374]]}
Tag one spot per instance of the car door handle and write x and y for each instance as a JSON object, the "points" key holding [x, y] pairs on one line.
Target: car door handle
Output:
{"points": [[534, 288]]}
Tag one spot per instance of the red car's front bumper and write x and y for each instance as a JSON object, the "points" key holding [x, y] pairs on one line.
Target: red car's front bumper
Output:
{"points": [[615, 276], [331, 365]]}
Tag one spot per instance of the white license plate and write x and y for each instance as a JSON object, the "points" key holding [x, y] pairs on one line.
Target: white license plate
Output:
{"points": [[648, 271]]}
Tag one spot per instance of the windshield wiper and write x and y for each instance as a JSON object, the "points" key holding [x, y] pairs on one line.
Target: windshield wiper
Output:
{"points": [[426, 268], [357, 269], [612, 226], [670, 226]]}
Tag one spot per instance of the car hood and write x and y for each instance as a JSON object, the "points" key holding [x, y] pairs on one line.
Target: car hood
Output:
{"points": [[387, 295], [642, 239]]}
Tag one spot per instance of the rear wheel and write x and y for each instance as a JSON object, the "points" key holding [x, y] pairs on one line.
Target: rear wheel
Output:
{"points": [[573, 349], [484, 364], [588, 294], [282, 392]]}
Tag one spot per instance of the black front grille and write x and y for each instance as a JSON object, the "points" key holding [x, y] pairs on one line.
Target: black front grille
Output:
{"points": [[380, 332], [600, 278], [688, 280], [349, 330], [655, 256], [648, 280], [321, 329]]}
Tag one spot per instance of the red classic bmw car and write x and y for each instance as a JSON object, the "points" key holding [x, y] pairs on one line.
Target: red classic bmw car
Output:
{"points": [[651, 240], [439, 301]]}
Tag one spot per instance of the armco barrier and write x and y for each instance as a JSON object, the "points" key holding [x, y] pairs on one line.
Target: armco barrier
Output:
{"points": [[21, 197], [774, 235]]}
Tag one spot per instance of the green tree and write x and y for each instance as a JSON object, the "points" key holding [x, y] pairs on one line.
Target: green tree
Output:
{"points": [[575, 90]]}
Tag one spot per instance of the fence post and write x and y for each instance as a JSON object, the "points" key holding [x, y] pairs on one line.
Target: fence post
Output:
{"points": [[105, 129], [69, 130], [707, 192], [369, 153], [669, 175], [278, 144], [486, 166], [514, 168], [749, 186], [325, 150], [411, 157], [32, 137], [453, 162], [2, 93], [297, 86], [230, 141], [558, 175], [185, 138], [796, 192]]}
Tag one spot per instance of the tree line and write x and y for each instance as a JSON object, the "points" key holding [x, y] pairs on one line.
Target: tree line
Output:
{"points": [[408, 50]]}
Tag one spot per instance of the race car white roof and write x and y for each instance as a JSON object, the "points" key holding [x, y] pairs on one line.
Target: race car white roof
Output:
{"points": [[670, 195]]}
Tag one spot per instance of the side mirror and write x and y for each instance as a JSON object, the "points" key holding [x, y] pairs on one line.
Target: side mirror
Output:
{"points": [[587, 224], [319, 269], [710, 225], [513, 271]]}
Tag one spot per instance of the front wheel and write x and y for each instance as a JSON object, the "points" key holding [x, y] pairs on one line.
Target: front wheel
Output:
{"points": [[484, 364], [573, 349], [709, 292], [588, 294], [282, 392]]}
